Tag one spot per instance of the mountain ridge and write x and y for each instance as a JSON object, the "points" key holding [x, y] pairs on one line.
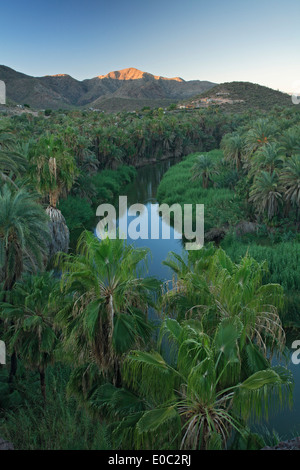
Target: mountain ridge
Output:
{"points": [[63, 91]]}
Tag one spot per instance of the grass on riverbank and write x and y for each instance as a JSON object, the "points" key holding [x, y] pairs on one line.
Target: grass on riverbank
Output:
{"points": [[221, 205], [283, 261]]}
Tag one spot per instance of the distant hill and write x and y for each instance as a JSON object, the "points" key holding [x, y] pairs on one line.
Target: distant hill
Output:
{"points": [[63, 91], [239, 96], [115, 104]]}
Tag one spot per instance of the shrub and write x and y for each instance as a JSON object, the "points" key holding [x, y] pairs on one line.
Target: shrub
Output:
{"points": [[77, 212]]}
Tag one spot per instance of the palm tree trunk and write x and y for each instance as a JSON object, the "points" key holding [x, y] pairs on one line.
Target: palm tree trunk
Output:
{"points": [[111, 318], [116, 378], [8, 286], [43, 384], [59, 232], [287, 208], [13, 367], [117, 374]]}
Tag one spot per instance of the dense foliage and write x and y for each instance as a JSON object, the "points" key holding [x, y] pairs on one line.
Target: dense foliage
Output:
{"points": [[251, 192], [88, 367]]}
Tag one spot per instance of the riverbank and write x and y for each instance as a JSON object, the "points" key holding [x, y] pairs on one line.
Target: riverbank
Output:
{"points": [[222, 206]]}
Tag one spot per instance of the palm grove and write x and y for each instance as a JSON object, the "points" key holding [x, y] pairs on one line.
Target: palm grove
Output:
{"points": [[84, 353]]}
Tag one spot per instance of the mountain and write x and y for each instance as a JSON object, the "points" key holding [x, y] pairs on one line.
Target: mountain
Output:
{"points": [[239, 96], [135, 74], [115, 88]]}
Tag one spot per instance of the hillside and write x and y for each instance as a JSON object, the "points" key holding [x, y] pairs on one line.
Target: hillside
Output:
{"points": [[239, 96], [63, 91], [21, 88], [115, 104]]}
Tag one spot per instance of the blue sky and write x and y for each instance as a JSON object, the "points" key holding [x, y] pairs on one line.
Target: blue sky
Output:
{"points": [[216, 40]]}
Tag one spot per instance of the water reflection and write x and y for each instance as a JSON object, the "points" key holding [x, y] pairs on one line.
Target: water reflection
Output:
{"points": [[143, 190]]}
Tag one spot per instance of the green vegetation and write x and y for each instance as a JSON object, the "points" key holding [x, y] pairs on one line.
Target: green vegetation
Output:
{"points": [[60, 425], [88, 367], [255, 180], [283, 267], [181, 185], [79, 208]]}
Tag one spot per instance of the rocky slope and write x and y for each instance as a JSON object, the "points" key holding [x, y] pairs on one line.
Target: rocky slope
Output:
{"points": [[240, 96]]}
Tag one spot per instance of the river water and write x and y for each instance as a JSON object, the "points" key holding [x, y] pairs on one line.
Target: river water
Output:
{"points": [[143, 190]]}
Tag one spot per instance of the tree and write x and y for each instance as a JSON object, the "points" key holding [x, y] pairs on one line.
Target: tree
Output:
{"points": [[53, 170], [233, 145], [109, 307], [29, 317], [260, 133], [290, 141], [23, 234], [12, 161], [290, 180], [23, 239], [211, 367], [268, 157], [204, 168], [265, 194], [210, 287], [194, 394]]}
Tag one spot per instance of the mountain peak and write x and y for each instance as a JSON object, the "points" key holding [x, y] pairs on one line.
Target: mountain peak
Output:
{"points": [[58, 75], [132, 73]]}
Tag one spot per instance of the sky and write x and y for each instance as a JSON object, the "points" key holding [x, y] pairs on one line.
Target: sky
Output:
{"points": [[215, 40]]}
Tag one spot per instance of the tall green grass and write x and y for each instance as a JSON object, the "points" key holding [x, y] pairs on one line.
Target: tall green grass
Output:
{"points": [[58, 425], [283, 261], [221, 205]]}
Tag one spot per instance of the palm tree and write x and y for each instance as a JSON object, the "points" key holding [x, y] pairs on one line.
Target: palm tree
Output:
{"points": [[193, 395], [52, 168], [265, 194], [290, 141], [261, 133], [23, 239], [29, 317], [12, 160], [290, 180], [268, 157], [23, 234], [204, 167], [109, 307], [53, 171], [233, 145], [210, 287]]}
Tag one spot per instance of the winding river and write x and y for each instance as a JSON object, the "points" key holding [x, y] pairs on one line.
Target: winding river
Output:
{"points": [[143, 190]]}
